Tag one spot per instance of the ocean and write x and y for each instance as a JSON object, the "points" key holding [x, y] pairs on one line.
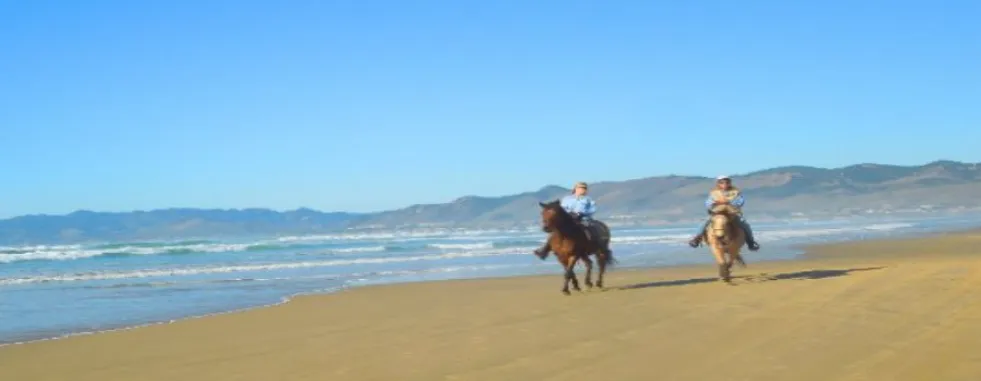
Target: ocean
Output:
{"points": [[58, 290]]}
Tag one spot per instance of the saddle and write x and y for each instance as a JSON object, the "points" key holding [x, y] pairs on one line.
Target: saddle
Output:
{"points": [[590, 230]]}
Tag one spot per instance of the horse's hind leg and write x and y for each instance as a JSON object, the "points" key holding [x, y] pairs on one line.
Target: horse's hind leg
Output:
{"points": [[602, 259], [738, 258], [589, 271], [737, 255]]}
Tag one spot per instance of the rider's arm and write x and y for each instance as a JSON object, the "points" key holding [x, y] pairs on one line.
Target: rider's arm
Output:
{"points": [[709, 202], [568, 204], [738, 201], [589, 207]]}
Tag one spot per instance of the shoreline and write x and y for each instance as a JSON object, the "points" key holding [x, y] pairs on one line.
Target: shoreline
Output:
{"points": [[797, 255], [801, 253], [842, 311]]}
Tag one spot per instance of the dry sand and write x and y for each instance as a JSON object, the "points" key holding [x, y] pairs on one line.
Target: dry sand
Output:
{"points": [[887, 310]]}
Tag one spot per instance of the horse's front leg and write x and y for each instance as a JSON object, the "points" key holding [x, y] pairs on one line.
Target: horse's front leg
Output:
{"points": [[564, 262], [570, 274], [589, 271], [720, 260]]}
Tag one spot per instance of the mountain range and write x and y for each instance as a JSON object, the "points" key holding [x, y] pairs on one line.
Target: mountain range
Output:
{"points": [[776, 193]]}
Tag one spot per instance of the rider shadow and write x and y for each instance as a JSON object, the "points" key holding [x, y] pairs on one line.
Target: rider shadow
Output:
{"points": [[668, 283], [762, 277], [805, 275]]}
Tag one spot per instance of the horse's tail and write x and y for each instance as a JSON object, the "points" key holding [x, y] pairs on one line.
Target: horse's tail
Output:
{"points": [[608, 259], [604, 246]]}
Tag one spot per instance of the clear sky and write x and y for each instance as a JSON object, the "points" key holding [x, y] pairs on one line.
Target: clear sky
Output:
{"points": [[365, 105]]}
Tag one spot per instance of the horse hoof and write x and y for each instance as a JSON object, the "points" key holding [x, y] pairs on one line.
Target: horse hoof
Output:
{"points": [[566, 292], [589, 285], [599, 285]]}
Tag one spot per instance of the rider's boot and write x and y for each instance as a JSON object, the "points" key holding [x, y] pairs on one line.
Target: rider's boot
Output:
{"points": [[696, 241], [750, 239]]}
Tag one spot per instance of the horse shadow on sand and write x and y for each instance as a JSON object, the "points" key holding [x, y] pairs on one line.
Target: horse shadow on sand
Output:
{"points": [[757, 278]]}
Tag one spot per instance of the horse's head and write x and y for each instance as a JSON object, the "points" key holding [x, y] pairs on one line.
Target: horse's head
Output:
{"points": [[719, 224], [552, 215], [722, 216]]}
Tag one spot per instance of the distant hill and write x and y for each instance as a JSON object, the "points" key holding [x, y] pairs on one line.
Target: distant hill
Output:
{"points": [[772, 193]]}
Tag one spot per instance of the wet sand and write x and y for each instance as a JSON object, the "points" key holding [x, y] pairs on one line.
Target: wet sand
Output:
{"points": [[878, 310]]}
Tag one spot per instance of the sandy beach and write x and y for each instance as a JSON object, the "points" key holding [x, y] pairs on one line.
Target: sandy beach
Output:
{"points": [[876, 310]]}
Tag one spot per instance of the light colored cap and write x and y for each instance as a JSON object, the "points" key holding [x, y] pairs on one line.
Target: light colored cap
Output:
{"points": [[580, 185], [723, 177]]}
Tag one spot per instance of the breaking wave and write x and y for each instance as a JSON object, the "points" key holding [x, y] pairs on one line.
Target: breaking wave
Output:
{"points": [[217, 269], [340, 245], [75, 252]]}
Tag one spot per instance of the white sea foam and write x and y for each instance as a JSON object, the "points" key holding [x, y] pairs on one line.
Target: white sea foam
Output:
{"points": [[462, 246], [404, 235], [892, 226], [356, 250], [149, 273], [62, 253], [73, 252], [646, 239]]}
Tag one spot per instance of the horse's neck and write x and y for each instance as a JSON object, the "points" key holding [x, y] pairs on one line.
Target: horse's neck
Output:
{"points": [[730, 227], [568, 228]]}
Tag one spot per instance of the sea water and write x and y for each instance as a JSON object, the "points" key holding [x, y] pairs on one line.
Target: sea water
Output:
{"points": [[58, 290]]}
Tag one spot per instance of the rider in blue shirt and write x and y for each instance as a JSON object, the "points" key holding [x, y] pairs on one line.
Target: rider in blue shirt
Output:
{"points": [[725, 193], [580, 206]]}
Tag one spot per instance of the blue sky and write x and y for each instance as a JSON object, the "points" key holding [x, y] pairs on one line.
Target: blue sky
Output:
{"points": [[368, 105]]}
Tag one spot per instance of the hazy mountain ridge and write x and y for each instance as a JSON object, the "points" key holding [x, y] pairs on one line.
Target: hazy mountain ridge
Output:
{"points": [[771, 193]]}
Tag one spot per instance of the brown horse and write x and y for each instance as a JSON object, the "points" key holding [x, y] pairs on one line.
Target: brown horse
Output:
{"points": [[725, 239], [570, 243]]}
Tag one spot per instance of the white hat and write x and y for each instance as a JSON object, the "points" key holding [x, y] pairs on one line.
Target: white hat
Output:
{"points": [[723, 177]]}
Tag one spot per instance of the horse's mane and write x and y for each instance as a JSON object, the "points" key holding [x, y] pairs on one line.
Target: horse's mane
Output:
{"points": [[724, 210], [563, 219]]}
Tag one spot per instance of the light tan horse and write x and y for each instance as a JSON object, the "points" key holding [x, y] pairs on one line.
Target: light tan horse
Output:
{"points": [[725, 239]]}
